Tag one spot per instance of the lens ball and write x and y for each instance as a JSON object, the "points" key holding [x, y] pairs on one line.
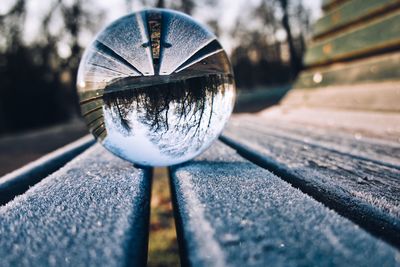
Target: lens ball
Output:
{"points": [[155, 87]]}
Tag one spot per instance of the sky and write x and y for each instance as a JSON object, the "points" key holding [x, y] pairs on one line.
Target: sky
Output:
{"points": [[229, 11]]}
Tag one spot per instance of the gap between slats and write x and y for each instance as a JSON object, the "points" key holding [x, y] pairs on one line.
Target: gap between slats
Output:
{"points": [[379, 224], [19, 181]]}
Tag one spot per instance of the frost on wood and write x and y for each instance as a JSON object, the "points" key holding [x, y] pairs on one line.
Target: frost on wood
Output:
{"points": [[93, 211], [258, 219], [337, 164]]}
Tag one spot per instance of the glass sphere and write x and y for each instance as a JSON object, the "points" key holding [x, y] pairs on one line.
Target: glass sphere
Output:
{"points": [[155, 87]]}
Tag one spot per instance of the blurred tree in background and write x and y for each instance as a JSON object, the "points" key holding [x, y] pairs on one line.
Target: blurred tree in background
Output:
{"points": [[37, 82], [37, 77], [271, 44]]}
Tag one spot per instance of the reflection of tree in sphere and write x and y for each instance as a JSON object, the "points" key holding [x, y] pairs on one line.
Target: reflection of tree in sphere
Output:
{"points": [[156, 88]]}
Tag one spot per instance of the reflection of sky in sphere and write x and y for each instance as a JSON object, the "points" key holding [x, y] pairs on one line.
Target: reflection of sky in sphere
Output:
{"points": [[156, 88]]}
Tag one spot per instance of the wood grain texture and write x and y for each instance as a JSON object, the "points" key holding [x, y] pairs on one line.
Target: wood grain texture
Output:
{"points": [[377, 97], [18, 181], [351, 177], [377, 35], [87, 107], [233, 213], [328, 5], [381, 68], [92, 212], [383, 126], [350, 13], [90, 94]]}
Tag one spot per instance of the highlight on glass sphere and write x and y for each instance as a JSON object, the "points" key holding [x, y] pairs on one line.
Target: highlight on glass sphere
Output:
{"points": [[156, 88]]}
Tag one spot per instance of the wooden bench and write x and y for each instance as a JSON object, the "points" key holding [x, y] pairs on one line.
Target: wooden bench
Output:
{"points": [[314, 181], [94, 211], [229, 211]]}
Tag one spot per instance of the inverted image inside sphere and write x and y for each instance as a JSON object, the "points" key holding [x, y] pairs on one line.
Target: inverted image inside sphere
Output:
{"points": [[156, 88]]}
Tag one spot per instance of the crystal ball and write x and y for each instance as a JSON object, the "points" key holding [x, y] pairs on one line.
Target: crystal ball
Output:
{"points": [[155, 87]]}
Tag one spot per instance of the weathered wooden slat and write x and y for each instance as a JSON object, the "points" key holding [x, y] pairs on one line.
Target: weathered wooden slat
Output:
{"points": [[98, 130], [95, 124], [94, 119], [378, 97], [90, 99], [101, 135], [101, 73], [90, 94], [382, 68], [377, 35], [87, 107], [92, 212], [90, 117], [86, 113], [233, 213], [355, 183], [18, 181], [379, 126], [350, 13], [381, 152], [331, 4]]}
